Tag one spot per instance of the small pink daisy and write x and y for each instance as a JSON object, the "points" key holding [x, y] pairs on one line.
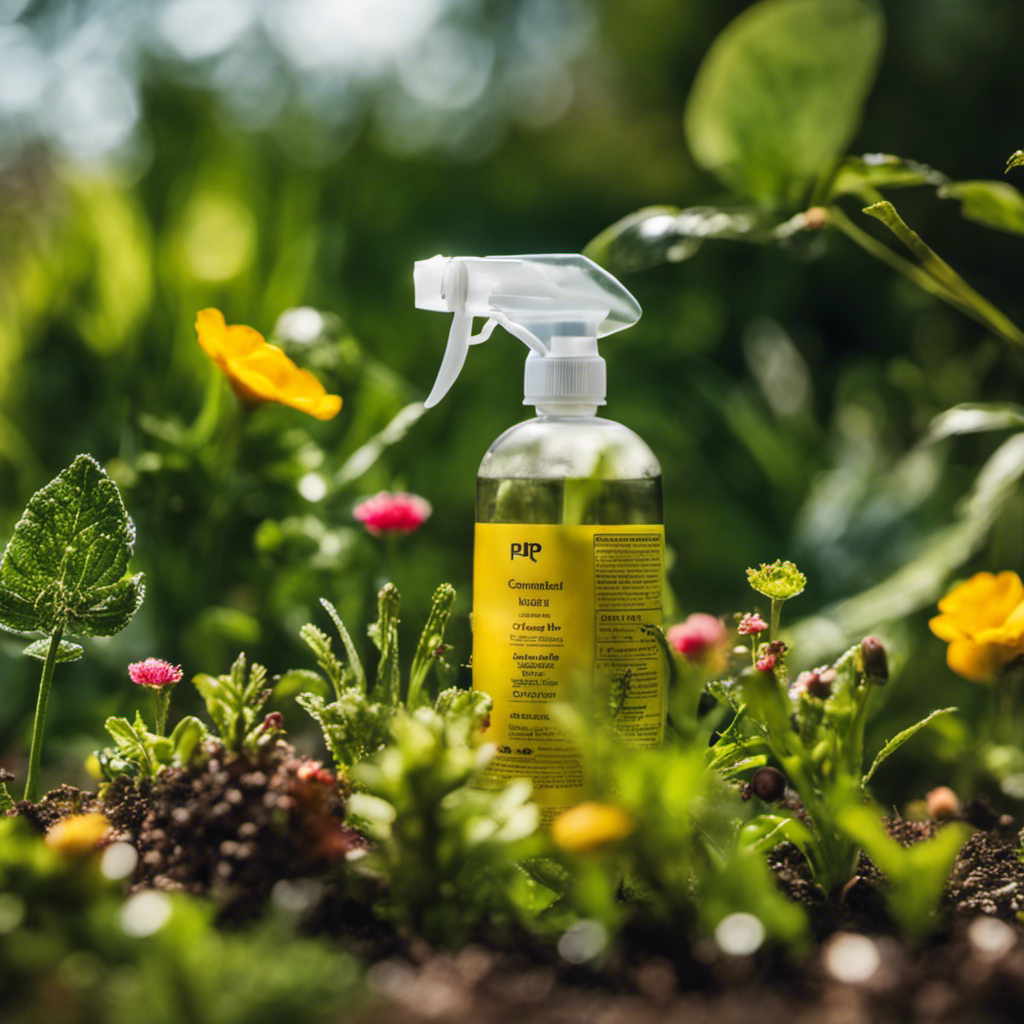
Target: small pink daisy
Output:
{"points": [[154, 672], [392, 513]]}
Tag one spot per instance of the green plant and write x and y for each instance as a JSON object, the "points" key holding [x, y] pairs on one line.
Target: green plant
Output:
{"points": [[814, 729], [916, 874], [448, 852], [65, 573], [357, 722]]}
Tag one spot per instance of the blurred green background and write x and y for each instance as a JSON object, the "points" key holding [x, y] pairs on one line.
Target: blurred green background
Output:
{"points": [[163, 156]]}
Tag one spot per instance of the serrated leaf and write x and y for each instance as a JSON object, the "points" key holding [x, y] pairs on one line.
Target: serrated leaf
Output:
{"points": [[973, 418], [352, 726], [320, 644], [6, 800], [384, 634], [780, 93], [355, 665], [899, 739], [864, 175], [431, 640], [130, 744], [66, 565], [1016, 160], [299, 680], [66, 651], [992, 203]]}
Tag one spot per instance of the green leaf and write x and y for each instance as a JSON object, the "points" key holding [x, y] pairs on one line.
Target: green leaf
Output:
{"points": [[920, 581], [431, 640], [766, 831], [974, 418], [355, 665], [384, 634], [864, 175], [992, 203], [130, 742], [942, 280], [6, 800], [899, 739], [1016, 160], [320, 644], [66, 651], [66, 566], [666, 234], [353, 728], [780, 93], [298, 680], [186, 739], [917, 874]]}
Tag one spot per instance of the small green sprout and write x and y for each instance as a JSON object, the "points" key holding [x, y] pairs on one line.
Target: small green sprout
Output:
{"points": [[65, 572]]}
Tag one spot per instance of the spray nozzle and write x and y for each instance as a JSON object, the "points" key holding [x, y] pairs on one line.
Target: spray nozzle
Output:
{"points": [[558, 306]]}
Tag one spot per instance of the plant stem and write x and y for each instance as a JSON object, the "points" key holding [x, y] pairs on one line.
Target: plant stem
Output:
{"points": [[162, 702], [36, 754], [773, 633]]}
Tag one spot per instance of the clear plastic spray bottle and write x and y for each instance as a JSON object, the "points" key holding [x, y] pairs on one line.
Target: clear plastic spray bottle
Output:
{"points": [[569, 544]]}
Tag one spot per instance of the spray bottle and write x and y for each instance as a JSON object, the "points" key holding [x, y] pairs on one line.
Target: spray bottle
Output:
{"points": [[569, 544]]}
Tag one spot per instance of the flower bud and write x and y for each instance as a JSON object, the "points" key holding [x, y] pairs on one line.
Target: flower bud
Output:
{"points": [[943, 803], [768, 784], [874, 662]]}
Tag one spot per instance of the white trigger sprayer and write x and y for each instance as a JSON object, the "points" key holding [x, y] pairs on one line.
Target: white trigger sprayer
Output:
{"points": [[557, 305]]}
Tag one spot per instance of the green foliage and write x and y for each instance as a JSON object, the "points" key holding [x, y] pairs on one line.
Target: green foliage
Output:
{"points": [[357, 722], [6, 801], [916, 874], [780, 92], [1016, 160], [151, 959], [235, 703], [66, 651], [65, 568], [447, 851], [814, 730], [144, 753]]}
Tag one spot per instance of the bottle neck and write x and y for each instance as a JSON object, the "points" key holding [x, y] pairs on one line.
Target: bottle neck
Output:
{"points": [[566, 409]]}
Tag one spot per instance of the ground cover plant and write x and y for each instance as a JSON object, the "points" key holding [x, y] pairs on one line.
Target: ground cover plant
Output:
{"points": [[240, 748]]}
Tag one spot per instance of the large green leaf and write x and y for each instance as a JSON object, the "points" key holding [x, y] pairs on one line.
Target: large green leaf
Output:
{"points": [[66, 566], [992, 203], [780, 92], [429, 649]]}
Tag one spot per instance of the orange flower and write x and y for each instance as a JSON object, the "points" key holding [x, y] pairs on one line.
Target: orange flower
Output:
{"points": [[78, 835], [589, 826], [259, 372], [983, 622]]}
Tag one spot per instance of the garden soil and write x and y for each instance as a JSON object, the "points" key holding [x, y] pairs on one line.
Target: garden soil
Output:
{"points": [[236, 826]]}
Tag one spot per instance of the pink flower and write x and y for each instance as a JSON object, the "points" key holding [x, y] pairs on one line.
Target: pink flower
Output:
{"points": [[697, 636], [765, 664], [154, 672], [389, 512], [768, 655], [752, 623]]}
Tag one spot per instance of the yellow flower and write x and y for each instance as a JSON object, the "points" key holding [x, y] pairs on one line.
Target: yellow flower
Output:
{"points": [[79, 835], [260, 372], [589, 826], [983, 622]]}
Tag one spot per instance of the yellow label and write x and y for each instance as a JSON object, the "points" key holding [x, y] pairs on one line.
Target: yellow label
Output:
{"points": [[556, 608]]}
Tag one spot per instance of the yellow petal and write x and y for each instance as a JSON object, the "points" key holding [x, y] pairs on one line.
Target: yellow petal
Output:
{"points": [[984, 601], [976, 662], [945, 628]]}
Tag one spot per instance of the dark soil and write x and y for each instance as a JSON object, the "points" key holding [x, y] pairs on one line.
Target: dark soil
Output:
{"points": [[237, 826]]}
